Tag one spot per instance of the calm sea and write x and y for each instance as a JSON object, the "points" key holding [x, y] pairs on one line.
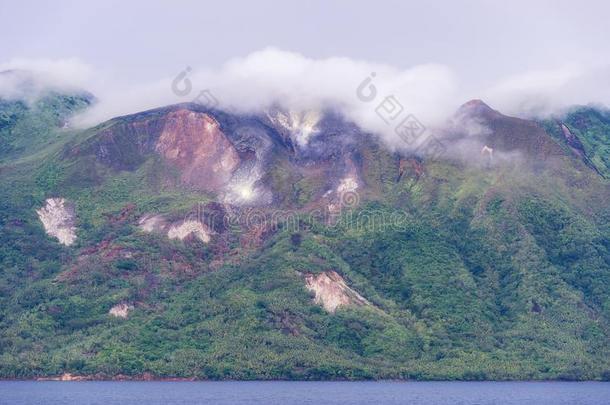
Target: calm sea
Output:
{"points": [[270, 393]]}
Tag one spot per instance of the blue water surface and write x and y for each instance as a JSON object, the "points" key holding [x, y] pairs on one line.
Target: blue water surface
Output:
{"points": [[270, 393]]}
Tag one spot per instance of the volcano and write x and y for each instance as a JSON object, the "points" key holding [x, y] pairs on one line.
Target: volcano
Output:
{"points": [[192, 242]]}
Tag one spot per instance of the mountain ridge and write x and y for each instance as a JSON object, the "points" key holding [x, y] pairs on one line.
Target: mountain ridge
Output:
{"points": [[483, 264]]}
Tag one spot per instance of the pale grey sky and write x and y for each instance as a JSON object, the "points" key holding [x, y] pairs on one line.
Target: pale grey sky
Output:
{"points": [[481, 40]]}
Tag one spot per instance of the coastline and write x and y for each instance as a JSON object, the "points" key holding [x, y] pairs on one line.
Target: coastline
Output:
{"points": [[69, 377]]}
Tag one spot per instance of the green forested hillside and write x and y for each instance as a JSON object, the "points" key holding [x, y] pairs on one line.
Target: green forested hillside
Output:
{"points": [[28, 126], [470, 272]]}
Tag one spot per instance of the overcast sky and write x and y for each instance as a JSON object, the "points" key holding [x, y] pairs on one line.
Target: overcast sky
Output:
{"points": [[490, 47]]}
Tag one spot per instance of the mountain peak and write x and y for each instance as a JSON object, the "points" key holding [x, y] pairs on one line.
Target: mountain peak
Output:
{"points": [[477, 107], [475, 102]]}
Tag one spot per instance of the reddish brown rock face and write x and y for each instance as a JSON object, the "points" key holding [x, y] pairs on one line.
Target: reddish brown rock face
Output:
{"points": [[193, 142], [410, 167]]}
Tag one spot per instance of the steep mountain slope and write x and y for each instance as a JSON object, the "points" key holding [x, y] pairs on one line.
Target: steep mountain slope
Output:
{"points": [[215, 245], [584, 130]]}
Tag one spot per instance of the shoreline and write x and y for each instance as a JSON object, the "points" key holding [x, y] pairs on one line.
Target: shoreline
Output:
{"points": [[68, 377]]}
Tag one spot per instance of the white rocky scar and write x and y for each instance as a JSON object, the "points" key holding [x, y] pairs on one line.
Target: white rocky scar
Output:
{"points": [[120, 310], [300, 125], [186, 228], [177, 230], [57, 217], [331, 291], [348, 184]]}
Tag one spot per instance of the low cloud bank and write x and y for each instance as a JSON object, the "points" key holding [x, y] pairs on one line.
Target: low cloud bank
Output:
{"points": [[378, 97], [26, 79], [545, 92]]}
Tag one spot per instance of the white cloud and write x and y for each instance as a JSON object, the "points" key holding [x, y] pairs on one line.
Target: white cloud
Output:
{"points": [[25, 78], [294, 82], [545, 92], [431, 92]]}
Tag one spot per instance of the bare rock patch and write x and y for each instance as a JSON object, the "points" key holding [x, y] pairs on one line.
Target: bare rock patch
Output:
{"points": [[57, 217], [331, 291]]}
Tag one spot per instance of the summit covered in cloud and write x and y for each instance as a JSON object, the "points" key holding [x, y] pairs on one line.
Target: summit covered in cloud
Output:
{"points": [[270, 78]]}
